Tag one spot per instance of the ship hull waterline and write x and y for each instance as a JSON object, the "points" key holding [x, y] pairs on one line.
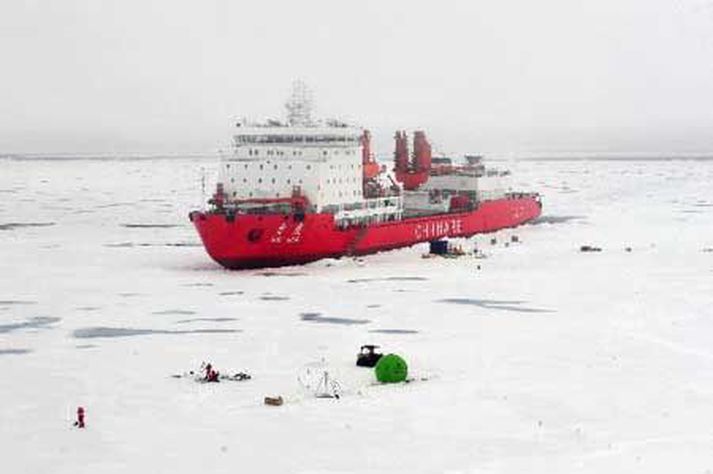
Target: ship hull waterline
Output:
{"points": [[274, 240]]}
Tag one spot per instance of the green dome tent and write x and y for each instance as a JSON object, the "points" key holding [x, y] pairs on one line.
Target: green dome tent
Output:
{"points": [[391, 369]]}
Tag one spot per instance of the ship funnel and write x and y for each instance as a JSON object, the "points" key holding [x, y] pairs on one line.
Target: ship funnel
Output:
{"points": [[421, 152], [412, 173], [401, 160]]}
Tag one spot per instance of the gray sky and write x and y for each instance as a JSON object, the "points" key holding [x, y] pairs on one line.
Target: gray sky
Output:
{"points": [[500, 76]]}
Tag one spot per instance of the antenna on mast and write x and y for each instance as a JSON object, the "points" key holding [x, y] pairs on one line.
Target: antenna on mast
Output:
{"points": [[299, 105]]}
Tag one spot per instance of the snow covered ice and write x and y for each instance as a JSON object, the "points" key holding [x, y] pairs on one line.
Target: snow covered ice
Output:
{"points": [[547, 359]]}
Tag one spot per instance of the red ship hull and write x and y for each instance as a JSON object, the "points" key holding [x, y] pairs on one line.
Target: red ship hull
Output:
{"points": [[270, 240]]}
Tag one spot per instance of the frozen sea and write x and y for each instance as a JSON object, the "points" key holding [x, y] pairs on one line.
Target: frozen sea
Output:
{"points": [[544, 359]]}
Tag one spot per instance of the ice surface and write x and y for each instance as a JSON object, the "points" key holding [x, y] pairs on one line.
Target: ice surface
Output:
{"points": [[545, 359]]}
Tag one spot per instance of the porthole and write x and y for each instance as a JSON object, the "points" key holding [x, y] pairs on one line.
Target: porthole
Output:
{"points": [[254, 235]]}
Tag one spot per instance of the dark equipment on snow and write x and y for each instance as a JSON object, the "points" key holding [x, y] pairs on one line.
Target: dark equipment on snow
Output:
{"points": [[367, 356], [438, 247], [589, 248], [239, 377], [274, 401]]}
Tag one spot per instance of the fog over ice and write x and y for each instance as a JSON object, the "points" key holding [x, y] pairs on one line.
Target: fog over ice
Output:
{"points": [[494, 76]]}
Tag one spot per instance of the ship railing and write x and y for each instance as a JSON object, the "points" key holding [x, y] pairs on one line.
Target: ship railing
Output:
{"points": [[369, 211], [495, 172], [296, 139], [492, 195], [522, 195]]}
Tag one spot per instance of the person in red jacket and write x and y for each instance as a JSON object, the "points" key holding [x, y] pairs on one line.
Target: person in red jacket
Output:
{"points": [[210, 374], [80, 418]]}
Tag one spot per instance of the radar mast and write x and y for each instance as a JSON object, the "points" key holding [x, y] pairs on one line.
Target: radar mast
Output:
{"points": [[299, 105]]}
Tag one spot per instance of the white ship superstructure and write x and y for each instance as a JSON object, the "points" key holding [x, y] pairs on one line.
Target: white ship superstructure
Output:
{"points": [[322, 163]]}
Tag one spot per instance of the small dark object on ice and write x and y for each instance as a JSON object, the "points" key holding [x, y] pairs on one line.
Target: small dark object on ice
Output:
{"points": [[367, 356], [438, 247], [589, 248], [628, 249], [190, 373], [274, 401], [239, 377], [80, 418], [515, 238], [493, 241]]}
